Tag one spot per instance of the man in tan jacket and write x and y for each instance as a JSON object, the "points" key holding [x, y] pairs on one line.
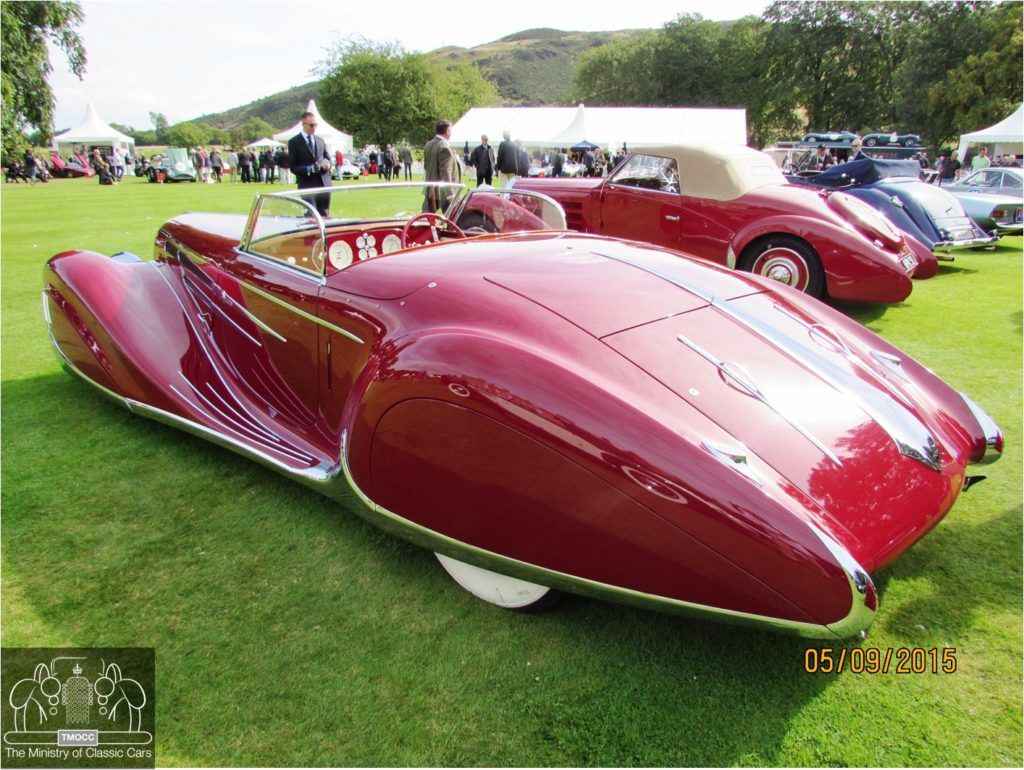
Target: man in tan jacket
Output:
{"points": [[440, 164]]}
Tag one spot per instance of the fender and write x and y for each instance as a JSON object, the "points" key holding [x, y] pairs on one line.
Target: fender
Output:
{"points": [[470, 377], [848, 257], [904, 214]]}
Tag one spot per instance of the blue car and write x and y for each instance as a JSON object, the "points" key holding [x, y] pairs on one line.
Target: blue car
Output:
{"points": [[894, 187]]}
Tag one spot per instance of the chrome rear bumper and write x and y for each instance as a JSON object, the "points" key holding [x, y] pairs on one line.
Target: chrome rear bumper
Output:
{"points": [[941, 248]]}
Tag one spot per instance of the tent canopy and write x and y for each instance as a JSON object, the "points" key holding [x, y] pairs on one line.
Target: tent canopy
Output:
{"points": [[333, 138], [264, 142], [93, 130], [1007, 135], [605, 126]]}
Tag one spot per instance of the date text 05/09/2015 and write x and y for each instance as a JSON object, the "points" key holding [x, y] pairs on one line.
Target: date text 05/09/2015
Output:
{"points": [[875, 660]]}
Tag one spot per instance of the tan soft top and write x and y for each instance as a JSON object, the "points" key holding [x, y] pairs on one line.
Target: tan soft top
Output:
{"points": [[718, 172]]}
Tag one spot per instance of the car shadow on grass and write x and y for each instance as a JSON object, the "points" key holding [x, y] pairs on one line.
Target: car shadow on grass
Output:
{"points": [[290, 632]]}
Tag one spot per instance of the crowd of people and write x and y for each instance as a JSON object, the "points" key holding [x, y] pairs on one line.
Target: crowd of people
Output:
{"points": [[511, 159], [946, 169]]}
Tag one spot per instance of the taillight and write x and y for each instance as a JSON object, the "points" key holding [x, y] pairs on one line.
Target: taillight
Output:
{"points": [[866, 219]]}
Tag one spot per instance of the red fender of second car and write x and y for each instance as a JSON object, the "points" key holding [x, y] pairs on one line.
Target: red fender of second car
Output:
{"points": [[854, 267]]}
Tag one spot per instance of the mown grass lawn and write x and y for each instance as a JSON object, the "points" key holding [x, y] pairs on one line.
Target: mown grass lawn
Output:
{"points": [[289, 632]]}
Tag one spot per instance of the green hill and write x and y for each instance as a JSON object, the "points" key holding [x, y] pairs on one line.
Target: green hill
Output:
{"points": [[528, 68]]}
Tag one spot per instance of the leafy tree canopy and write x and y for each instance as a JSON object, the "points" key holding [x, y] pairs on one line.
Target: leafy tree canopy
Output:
{"points": [[934, 68], [383, 94], [25, 28]]}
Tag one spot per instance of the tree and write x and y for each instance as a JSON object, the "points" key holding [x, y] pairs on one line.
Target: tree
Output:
{"points": [[186, 134], [986, 86], [159, 121], [381, 93], [250, 131], [25, 28], [618, 73], [771, 112]]}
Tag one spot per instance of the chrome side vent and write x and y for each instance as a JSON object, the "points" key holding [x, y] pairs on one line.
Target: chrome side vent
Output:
{"points": [[730, 370], [893, 363], [732, 455]]}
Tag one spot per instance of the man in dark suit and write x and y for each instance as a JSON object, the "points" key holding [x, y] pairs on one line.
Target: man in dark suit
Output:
{"points": [[310, 162], [484, 160], [440, 164], [506, 160]]}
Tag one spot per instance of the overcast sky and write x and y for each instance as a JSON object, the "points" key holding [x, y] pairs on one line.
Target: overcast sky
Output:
{"points": [[186, 59]]}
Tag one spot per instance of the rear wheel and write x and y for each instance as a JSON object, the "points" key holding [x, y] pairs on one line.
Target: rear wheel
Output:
{"points": [[501, 590], [871, 141], [788, 260]]}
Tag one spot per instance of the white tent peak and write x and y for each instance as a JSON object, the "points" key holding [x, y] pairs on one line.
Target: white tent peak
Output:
{"points": [[93, 130], [333, 138], [265, 142]]}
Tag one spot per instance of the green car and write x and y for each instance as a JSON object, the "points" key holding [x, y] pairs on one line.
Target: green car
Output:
{"points": [[174, 166]]}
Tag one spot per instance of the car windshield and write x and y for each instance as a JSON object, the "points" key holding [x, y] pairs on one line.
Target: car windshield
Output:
{"points": [[176, 155], [325, 230]]}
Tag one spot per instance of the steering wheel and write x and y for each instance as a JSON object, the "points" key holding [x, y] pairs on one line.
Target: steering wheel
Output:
{"points": [[434, 221]]}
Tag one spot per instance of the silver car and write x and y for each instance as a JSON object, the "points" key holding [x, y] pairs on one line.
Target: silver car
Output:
{"points": [[994, 198]]}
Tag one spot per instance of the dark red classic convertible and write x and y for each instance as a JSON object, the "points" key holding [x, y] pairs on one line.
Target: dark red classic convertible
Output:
{"points": [[543, 409], [734, 207]]}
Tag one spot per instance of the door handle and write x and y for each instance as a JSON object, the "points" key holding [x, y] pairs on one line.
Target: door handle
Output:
{"points": [[671, 218]]}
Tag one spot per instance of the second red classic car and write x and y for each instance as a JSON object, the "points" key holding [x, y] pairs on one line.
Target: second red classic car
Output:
{"points": [[734, 207], [543, 409]]}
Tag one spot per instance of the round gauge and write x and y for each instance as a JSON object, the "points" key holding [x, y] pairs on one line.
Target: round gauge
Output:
{"points": [[367, 253], [390, 243], [340, 255], [366, 241]]}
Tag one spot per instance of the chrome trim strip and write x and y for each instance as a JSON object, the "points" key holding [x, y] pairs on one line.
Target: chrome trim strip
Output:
{"points": [[860, 616], [46, 310], [189, 280], [416, 533], [822, 332], [911, 437], [300, 312], [199, 259], [742, 377], [993, 435]]}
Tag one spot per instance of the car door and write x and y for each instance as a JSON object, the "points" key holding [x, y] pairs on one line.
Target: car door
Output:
{"points": [[276, 276], [641, 201]]}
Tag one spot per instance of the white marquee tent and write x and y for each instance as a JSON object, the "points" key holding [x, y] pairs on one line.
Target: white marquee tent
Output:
{"points": [[1007, 136], [266, 143], [333, 138], [92, 130], [604, 126]]}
